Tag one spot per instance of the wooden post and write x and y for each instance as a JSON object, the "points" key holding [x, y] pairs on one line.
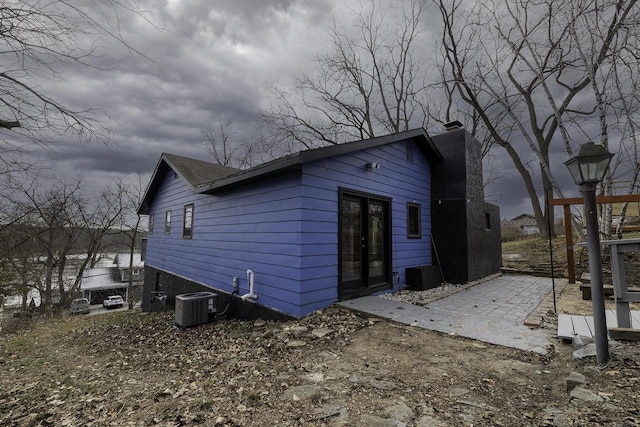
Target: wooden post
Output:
{"points": [[568, 231], [621, 288], [568, 238]]}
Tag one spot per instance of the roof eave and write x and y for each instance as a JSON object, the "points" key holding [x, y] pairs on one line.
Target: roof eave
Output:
{"points": [[145, 203], [252, 175], [295, 162]]}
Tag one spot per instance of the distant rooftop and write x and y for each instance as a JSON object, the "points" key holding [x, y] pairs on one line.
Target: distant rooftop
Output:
{"points": [[101, 278], [123, 260]]}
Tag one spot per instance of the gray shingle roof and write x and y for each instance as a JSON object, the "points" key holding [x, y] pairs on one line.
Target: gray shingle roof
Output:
{"points": [[195, 172], [293, 161], [198, 172], [207, 177]]}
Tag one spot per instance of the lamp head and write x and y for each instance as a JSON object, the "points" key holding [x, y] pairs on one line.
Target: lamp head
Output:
{"points": [[590, 164]]}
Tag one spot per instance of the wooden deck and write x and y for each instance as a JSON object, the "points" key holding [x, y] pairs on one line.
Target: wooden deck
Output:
{"points": [[570, 325]]}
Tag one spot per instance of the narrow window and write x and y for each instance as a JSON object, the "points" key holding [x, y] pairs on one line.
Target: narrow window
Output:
{"points": [[487, 217], [143, 249], [409, 151], [187, 225], [167, 222], [150, 223], [414, 221]]}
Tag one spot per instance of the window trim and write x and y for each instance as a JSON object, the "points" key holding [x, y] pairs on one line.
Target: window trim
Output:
{"points": [[187, 232], [411, 207], [167, 222]]}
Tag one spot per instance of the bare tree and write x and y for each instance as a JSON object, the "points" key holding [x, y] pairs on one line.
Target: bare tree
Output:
{"points": [[39, 41], [64, 231], [370, 82], [18, 271], [131, 226], [49, 223], [624, 115], [536, 73], [225, 150], [374, 79]]}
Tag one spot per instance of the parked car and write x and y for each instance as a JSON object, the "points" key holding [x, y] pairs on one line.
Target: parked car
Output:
{"points": [[114, 301], [79, 306]]}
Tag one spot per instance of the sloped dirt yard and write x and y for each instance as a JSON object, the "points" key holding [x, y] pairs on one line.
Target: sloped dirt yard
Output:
{"points": [[331, 368]]}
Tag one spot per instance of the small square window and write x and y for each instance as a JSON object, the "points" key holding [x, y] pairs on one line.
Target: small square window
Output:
{"points": [[414, 221], [187, 226], [167, 222]]}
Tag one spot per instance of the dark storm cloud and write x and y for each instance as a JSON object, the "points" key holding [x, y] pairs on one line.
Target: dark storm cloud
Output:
{"points": [[103, 160], [202, 61]]}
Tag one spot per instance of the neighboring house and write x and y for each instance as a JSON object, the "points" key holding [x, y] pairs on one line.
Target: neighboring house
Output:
{"points": [[123, 262], [111, 278], [100, 282], [526, 223], [321, 225]]}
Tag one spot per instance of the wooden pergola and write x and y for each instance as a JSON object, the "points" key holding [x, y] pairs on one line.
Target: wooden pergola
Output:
{"points": [[568, 231]]}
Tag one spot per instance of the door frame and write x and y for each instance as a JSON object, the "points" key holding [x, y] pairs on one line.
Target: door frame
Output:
{"points": [[366, 288]]}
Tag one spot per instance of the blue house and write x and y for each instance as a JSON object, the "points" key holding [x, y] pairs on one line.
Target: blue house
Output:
{"points": [[301, 232]]}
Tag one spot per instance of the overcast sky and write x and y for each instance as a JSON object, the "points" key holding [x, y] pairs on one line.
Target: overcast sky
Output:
{"points": [[205, 60]]}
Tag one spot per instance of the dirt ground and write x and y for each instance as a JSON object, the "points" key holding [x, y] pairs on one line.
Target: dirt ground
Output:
{"points": [[332, 368]]}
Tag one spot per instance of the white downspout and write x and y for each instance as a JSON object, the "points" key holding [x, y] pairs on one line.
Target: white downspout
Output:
{"points": [[251, 295]]}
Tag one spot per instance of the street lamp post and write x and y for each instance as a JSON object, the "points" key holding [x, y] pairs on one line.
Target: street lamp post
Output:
{"points": [[587, 169]]}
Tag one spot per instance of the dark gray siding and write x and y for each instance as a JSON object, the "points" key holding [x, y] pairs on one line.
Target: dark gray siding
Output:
{"points": [[467, 246]]}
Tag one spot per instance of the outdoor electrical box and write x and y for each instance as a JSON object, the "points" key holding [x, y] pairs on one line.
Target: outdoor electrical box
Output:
{"points": [[423, 278], [195, 308], [159, 302]]}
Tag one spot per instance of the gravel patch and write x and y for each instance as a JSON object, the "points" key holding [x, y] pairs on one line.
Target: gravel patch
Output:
{"points": [[429, 295], [426, 296]]}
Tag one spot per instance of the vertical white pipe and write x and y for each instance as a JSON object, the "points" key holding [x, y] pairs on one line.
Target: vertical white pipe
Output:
{"points": [[251, 295]]}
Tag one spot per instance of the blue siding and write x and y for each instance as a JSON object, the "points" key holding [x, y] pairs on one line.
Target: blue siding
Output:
{"points": [[255, 227], [396, 179], [285, 229]]}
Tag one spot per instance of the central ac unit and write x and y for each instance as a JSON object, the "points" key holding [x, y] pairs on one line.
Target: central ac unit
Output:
{"points": [[194, 309]]}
